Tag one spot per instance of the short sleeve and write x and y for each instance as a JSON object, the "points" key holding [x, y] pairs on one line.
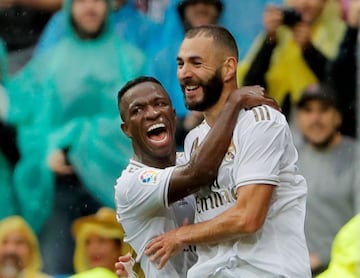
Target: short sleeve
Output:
{"points": [[261, 149], [145, 190]]}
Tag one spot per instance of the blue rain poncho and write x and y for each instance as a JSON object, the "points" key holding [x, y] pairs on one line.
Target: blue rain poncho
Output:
{"points": [[67, 98]]}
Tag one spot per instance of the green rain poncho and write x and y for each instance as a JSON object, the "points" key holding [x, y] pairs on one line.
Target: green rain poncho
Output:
{"points": [[67, 98]]}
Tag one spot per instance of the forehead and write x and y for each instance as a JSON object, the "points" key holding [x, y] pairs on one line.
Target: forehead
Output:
{"points": [[316, 103], [16, 235], [80, 3], [199, 46], [144, 92]]}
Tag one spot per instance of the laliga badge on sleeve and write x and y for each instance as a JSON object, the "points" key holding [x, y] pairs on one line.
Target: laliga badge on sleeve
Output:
{"points": [[149, 177]]}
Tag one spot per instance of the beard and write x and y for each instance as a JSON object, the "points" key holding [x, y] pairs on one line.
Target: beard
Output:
{"points": [[212, 89], [325, 143], [85, 34]]}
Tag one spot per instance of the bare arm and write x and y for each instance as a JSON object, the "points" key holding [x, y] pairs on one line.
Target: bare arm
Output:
{"points": [[205, 161], [246, 216]]}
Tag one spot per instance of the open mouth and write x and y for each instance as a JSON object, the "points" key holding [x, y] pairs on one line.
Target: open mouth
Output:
{"points": [[190, 90], [157, 132], [191, 87]]}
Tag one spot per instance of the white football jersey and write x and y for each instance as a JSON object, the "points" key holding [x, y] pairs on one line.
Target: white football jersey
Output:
{"points": [[261, 152], [143, 210]]}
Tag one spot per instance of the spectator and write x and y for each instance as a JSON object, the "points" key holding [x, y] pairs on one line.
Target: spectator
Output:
{"points": [[328, 160], [62, 103], [191, 13], [343, 70], [243, 20], [99, 242], [124, 16], [19, 250], [21, 22], [153, 8], [291, 55], [345, 255]]}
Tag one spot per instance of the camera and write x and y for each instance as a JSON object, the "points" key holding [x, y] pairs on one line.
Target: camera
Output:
{"points": [[290, 16]]}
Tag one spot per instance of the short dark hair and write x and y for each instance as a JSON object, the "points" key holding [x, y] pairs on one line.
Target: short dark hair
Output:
{"points": [[221, 36], [133, 83]]}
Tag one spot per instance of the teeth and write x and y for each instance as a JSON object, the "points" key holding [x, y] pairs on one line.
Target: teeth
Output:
{"points": [[155, 127], [192, 87]]}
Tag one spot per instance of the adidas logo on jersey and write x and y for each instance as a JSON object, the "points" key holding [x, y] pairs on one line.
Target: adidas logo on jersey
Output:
{"points": [[261, 113]]}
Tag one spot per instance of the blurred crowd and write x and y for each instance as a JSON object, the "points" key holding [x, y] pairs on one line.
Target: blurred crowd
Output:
{"points": [[62, 63]]}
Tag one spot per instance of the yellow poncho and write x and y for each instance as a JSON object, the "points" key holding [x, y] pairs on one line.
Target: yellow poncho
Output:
{"points": [[345, 253]]}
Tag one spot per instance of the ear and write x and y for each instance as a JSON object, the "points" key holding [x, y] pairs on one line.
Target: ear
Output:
{"points": [[229, 69], [125, 129], [338, 119]]}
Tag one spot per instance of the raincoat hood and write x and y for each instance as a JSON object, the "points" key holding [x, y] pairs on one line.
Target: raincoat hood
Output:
{"points": [[69, 28], [12, 223], [104, 224]]}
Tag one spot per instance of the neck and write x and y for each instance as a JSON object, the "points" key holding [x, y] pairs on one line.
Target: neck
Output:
{"points": [[160, 162], [212, 113]]}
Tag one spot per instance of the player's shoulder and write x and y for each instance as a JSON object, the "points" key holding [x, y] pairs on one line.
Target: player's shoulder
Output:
{"points": [[130, 171], [201, 128], [195, 137], [261, 114], [180, 158]]}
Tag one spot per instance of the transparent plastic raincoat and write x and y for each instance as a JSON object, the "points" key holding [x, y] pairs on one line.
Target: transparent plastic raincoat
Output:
{"points": [[67, 98]]}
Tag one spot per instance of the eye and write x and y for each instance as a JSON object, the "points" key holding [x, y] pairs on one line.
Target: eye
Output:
{"points": [[136, 110], [197, 63], [161, 103], [180, 64]]}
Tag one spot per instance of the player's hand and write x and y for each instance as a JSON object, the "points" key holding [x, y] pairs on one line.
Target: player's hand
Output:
{"points": [[251, 96], [163, 248], [120, 268], [57, 163]]}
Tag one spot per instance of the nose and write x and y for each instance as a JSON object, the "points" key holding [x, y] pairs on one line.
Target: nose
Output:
{"points": [[151, 112]]}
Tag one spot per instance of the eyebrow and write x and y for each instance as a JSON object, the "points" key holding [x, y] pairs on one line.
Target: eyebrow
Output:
{"points": [[191, 58]]}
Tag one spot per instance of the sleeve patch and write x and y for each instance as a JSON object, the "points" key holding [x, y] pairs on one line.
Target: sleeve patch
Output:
{"points": [[149, 177]]}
